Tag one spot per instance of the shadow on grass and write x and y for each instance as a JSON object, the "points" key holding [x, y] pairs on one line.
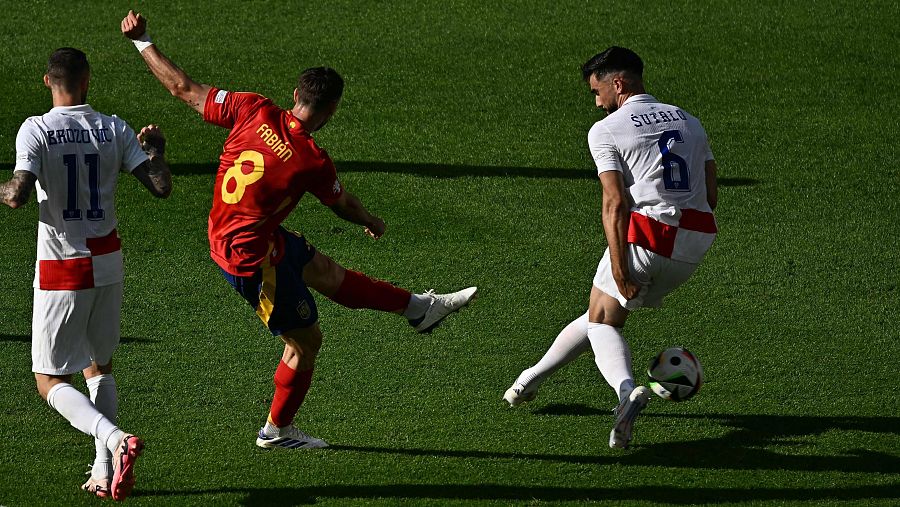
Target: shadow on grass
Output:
{"points": [[455, 171], [744, 447], [661, 494], [26, 338]]}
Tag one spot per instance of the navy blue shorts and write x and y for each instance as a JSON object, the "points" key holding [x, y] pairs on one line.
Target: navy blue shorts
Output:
{"points": [[278, 293]]}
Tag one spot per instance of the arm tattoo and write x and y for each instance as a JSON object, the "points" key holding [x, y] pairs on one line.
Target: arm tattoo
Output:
{"points": [[16, 191]]}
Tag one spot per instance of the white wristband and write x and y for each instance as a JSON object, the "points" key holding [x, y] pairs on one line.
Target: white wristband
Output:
{"points": [[143, 43]]}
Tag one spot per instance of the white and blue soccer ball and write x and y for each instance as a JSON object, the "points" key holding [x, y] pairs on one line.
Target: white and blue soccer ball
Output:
{"points": [[675, 374]]}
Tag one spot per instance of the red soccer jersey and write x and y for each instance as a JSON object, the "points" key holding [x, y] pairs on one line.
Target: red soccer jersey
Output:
{"points": [[268, 162]]}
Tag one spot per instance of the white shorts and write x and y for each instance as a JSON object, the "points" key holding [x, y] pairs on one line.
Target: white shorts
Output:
{"points": [[71, 328], [657, 276]]}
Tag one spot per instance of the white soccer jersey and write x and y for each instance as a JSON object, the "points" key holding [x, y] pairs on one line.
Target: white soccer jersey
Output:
{"points": [[661, 152], [76, 154]]}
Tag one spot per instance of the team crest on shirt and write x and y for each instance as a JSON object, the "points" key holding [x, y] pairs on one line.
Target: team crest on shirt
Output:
{"points": [[303, 310]]}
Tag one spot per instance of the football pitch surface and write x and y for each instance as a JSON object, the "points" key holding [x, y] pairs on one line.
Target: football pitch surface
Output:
{"points": [[463, 126]]}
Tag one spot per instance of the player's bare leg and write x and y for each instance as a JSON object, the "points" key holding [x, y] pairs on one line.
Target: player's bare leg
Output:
{"points": [[292, 381], [102, 387], [613, 357], [356, 290]]}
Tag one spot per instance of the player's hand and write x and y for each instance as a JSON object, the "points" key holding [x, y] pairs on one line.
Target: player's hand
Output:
{"points": [[376, 228], [152, 140], [628, 288], [134, 26]]}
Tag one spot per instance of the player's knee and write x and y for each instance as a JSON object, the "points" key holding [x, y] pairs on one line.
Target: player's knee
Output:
{"points": [[41, 389], [329, 272], [307, 362], [43, 384], [305, 346]]}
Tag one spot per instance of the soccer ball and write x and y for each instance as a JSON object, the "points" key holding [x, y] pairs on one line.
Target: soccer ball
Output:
{"points": [[675, 374]]}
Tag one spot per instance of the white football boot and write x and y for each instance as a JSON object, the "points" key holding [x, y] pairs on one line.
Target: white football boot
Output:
{"points": [[627, 411], [289, 437], [441, 306], [518, 394]]}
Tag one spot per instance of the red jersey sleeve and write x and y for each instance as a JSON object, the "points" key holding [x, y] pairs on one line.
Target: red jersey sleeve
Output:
{"points": [[224, 108], [326, 187]]}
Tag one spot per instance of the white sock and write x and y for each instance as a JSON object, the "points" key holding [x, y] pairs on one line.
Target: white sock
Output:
{"points": [[571, 342], [270, 430], [103, 396], [418, 305], [82, 414], [613, 357]]}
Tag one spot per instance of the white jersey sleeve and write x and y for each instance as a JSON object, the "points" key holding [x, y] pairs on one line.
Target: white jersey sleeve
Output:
{"points": [[29, 148], [603, 149], [708, 155], [132, 154]]}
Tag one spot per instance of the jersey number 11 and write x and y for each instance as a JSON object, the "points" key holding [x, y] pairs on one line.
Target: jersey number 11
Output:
{"points": [[72, 212]]}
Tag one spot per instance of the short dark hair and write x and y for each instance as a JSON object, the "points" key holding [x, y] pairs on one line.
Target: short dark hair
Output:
{"points": [[320, 86], [613, 59], [67, 67]]}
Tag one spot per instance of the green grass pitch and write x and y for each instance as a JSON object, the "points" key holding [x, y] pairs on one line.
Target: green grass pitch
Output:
{"points": [[464, 126]]}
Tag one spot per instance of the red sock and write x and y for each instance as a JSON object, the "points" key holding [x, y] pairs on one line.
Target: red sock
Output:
{"points": [[290, 390], [359, 291]]}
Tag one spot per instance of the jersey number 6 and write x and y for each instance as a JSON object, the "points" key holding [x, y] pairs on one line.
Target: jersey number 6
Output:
{"points": [[676, 175], [241, 179]]}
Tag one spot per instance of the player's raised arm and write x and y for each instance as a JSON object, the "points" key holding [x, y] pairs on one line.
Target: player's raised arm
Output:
{"points": [[15, 192], [179, 84], [154, 173]]}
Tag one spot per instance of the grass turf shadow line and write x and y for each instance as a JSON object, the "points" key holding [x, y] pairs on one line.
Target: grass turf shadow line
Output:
{"points": [[661, 494], [22, 338], [744, 447], [454, 171]]}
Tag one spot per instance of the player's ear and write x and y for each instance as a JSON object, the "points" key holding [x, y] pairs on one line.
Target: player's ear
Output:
{"points": [[296, 96], [47, 80], [618, 83]]}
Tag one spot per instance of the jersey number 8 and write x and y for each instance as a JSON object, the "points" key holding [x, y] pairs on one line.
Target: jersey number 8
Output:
{"points": [[241, 179]]}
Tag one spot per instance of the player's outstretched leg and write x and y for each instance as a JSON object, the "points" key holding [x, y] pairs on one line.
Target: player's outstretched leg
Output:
{"points": [[125, 456], [353, 289], [571, 342], [627, 411]]}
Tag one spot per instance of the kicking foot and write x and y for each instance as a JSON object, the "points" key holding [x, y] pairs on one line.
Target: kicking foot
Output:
{"points": [[289, 437], [626, 413], [441, 306]]}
